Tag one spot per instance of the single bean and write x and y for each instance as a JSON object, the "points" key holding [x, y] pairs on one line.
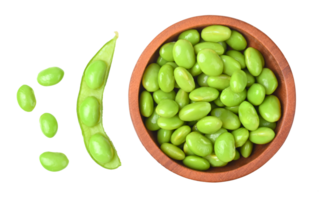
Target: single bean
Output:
{"points": [[166, 79], [246, 149], [182, 98], [216, 33], [163, 136], [256, 94], [215, 161], [184, 79], [225, 147], [179, 135], [89, 105], [48, 124], [262, 135], [230, 98], [202, 80], [26, 98], [210, 62], [159, 95], [230, 65], [151, 122], [213, 136], [184, 54], [169, 123], [241, 135], [237, 55], [192, 35], [234, 109], [268, 79], [250, 78], [150, 77], [248, 116], [238, 81], [270, 109], [209, 124], [167, 108], [219, 82], [195, 70], [229, 119], [254, 61], [161, 61], [166, 51], [50, 76], [146, 104], [53, 161], [173, 64], [264, 123], [204, 94], [209, 45], [197, 163], [194, 111], [173, 151], [237, 41], [199, 144]]}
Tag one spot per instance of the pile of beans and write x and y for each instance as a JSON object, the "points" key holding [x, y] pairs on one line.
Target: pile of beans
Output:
{"points": [[213, 98]]}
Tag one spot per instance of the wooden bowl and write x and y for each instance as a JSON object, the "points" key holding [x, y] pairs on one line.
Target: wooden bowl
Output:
{"points": [[274, 60]]}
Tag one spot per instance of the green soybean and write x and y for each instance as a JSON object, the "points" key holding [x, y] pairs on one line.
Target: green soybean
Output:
{"points": [[48, 124], [161, 61], [199, 144], [202, 80], [163, 136], [241, 135], [184, 54], [184, 79], [238, 81], [230, 65], [209, 45], [173, 64], [194, 111], [215, 161], [246, 149], [219, 82], [254, 61], [89, 106], [95, 73], [229, 119], [264, 123], [173, 151], [213, 136], [237, 156], [204, 94], [151, 122], [169, 123], [182, 98], [197, 163], [270, 109], [166, 51], [26, 98], [210, 62], [268, 79], [146, 104], [166, 79], [248, 116], [167, 108], [195, 70], [187, 150], [237, 56], [224, 147], [150, 77], [224, 45], [192, 35], [250, 78], [209, 124], [160, 95], [179, 135], [216, 33], [230, 98], [256, 94], [50, 76], [219, 103], [262, 135], [234, 109], [54, 161], [237, 41]]}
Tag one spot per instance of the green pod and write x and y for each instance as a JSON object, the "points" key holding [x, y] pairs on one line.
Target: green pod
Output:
{"points": [[254, 61], [250, 78], [246, 149], [215, 161], [184, 54], [194, 111], [161, 61], [169, 123], [256, 94], [237, 156], [209, 45], [150, 77], [238, 81], [173, 151], [241, 135], [187, 151], [204, 94], [262, 135], [182, 98], [167, 108], [219, 103], [94, 75], [89, 111], [197, 163], [210, 62], [166, 51], [184, 79], [268, 79], [216, 33], [225, 147], [237, 41], [191, 35], [173, 64], [199, 144], [248, 116], [264, 123], [151, 122], [230, 65], [179, 135], [270, 109], [53, 75], [195, 70], [26, 98], [202, 80], [53, 161], [101, 149], [163, 136], [219, 82], [237, 56], [230, 98], [146, 104], [159, 95], [229, 119], [213, 136], [234, 109], [48, 124], [224, 45], [166, 79], [209, 124]]}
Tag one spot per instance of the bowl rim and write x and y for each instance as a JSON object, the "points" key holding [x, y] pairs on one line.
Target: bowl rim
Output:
{"points": [[151, 146]]}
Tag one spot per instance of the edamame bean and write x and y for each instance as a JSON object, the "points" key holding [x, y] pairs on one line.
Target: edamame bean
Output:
{"points": [[166, 51], [248, 116], [238, 81], [167, 108], [216, 33], [184, 54], [204, 94], [202, 80], [151, 122], [173, 151], [219, 82], [241, 135], [166, 79], [262, 135], [229, 119], [234, 109], [50, 76], [230, 65], [197, 163], [224, 45], [209, 124], [169, 123], [195, 70], [268, 79], [209, 45], [237, 41], [199, 144], [184, 79], [173, 64], [215, 161], [53, 161], [159, 95], [150, 77], [213, 136], [146, 104], [48, 124], [182, 98], [192, 35], [254, 61], [246, 149], [179, 135], [219, 103], [89, 107], [264, 123], [270, 109], [225, 147], [163, 136], [187, 151], [194, 111], [237, 56], [161, 61], [26, 98], [237, 156], [250, 78], [230, 98], [256, 94], [210, 62]]}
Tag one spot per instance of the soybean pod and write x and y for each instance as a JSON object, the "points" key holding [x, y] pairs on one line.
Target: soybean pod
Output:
{"points": [[89, 107]]}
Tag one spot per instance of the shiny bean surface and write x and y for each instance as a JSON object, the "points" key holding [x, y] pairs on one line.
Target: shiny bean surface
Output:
{"points": [[241, 135], [210, 62], [54, 161], [229, 119], [216, 33], [238, 81], [270, 109], [262, 135], [209, 45], [213, 136], [48, 124], [230, 65], [184, 54], [248, 116], [256, 94], [215, 161], [166, 78], [209, 124], [101, 149], [254, 61], [167, 108], [238, 56], [89, 111], [50, 76], [225, 147], [184, 79], [26, 98], [192, 35], [268, 79], [196, 162], [150, 77], [237, 41], [169, 123], [219, 82], [179, 135], [246, 149], [173, 151], [160, 95], [194, 111], [230, 98], [95, 74], [164, 136], [146, 104], [166, 51], [204, 94], [199, 144]]}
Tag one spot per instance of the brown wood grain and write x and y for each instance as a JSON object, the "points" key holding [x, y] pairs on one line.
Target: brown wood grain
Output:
{"points": [[274, 60]]}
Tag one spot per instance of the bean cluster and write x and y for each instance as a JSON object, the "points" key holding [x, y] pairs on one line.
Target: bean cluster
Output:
{"points": [[213, 98]]}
